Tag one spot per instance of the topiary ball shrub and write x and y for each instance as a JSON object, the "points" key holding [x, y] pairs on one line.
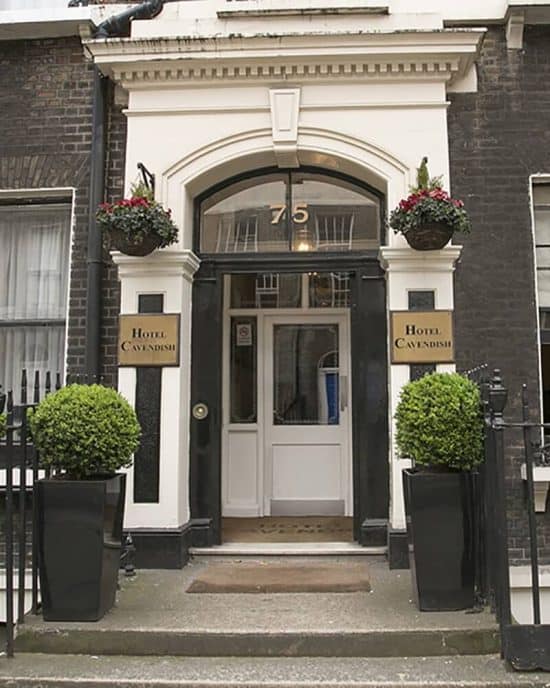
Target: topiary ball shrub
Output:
{"points": [[85, 431], [439, 422]]}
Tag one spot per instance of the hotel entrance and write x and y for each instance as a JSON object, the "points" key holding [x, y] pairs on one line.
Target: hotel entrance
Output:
{"points": [[286, 445], [289, 358]]}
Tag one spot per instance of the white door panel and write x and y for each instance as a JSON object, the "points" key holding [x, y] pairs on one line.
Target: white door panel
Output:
{"points": [[306, 395]]}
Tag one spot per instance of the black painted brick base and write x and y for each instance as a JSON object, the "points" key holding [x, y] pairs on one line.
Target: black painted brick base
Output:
{"points": [[398, 550], [202, 532], [161, 549], [374, 532]]}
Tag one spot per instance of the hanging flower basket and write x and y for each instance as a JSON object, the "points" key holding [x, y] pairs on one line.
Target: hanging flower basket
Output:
{"points": [[142, 246], [428, 217], [137, 225], [431, 236]]}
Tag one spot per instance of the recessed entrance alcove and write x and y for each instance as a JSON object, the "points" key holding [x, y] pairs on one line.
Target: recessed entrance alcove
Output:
{"points": [[289, 355]]}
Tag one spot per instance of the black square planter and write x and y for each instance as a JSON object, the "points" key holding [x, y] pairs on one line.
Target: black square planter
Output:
{"points": [[441, 537], [79, 546]]}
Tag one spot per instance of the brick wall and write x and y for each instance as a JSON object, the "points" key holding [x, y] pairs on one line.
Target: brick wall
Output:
{"points": [[498, 137], [114, 183], [46, 124]]}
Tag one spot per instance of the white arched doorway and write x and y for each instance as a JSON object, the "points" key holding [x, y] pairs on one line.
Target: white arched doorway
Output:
{"points": [[289, 287]]}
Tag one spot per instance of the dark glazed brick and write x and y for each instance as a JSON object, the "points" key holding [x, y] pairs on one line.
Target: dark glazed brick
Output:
{"points": [[46, 123], [498, 137]]}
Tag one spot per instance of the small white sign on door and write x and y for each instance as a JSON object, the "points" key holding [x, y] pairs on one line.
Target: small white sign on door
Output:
{"points": [[244, 334]]}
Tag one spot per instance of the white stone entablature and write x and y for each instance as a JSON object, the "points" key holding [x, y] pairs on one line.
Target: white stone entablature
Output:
{"points": [[441, 55]]}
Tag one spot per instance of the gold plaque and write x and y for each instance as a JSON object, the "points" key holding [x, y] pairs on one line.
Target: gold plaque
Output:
{"points": [[422, 337], [149, 340]]}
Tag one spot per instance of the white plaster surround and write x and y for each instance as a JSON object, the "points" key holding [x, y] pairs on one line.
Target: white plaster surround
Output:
{"points": [[522, 597], [202, 108], [408, 270], [169, 273], [541, 483]]}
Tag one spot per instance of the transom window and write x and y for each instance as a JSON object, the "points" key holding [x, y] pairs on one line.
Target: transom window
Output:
{"points": [[290, 211]]}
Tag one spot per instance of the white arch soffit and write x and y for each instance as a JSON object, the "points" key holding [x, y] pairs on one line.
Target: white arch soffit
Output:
{"points": [[231, 155]]}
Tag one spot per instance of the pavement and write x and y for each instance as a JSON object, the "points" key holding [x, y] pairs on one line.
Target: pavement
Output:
{"points": [[41, 671]]}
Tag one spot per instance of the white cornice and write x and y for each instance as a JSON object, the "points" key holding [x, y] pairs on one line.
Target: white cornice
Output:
{"points": [[168, 262], [53, 24], [404, 259], [441, 55]]}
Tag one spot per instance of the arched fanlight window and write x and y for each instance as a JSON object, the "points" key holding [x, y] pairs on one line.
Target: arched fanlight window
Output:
{"points": [[290, 211]]}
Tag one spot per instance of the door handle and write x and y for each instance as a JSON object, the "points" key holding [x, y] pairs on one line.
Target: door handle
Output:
{"points": [[343, 392]]}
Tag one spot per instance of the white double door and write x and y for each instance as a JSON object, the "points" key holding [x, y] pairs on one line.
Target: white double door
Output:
{"points": [[296, 460]]}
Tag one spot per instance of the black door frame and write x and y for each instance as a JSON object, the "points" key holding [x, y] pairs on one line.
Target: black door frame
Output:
{"points": [[369, 372]]}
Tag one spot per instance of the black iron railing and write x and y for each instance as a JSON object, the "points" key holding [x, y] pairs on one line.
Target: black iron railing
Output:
{"points": [[19, 465], [19, 460], [524, 646]]}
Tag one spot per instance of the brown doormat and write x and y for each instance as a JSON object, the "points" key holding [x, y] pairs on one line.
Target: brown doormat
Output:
{"points": [[271, 578], [288, 529]]}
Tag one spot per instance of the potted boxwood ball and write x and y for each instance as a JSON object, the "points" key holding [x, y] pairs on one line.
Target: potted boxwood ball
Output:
{"points": [[439, 426], [84, 434]]}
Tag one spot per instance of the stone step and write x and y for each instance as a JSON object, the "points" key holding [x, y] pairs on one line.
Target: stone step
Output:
{"points": [[155, 615], [257, 643], [72, 671], [286, 549]]}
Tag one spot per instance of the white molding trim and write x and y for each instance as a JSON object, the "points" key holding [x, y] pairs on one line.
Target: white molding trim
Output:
{"points": [[522, 594], [541, 483], [206, 109], [61, 192], [443, 54], [515, 22], [166, 262], [405, 259], [293, 8]]}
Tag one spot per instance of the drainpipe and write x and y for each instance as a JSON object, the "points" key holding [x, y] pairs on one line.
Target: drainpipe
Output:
{"points": [[119, 25], [94, 260]]}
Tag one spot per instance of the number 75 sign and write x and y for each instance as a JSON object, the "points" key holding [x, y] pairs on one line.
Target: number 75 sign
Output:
{"points": [[300, 214]]}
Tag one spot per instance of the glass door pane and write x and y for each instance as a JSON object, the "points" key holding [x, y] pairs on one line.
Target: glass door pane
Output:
{"points": [[305, 375], [243, 371]]}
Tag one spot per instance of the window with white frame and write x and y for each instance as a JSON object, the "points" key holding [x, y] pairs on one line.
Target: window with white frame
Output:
{"points": [[541, 213], [34, 274]]}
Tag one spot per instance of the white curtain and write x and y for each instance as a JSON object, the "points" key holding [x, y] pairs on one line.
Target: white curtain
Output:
{"points": [[34, 272]]}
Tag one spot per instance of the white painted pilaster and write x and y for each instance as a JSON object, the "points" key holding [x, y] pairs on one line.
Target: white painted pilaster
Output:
{"points": [[169, 273], [408, 270]]}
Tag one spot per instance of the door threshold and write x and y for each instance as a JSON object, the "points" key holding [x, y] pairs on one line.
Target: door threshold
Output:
{"points": [[288, 549]]}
